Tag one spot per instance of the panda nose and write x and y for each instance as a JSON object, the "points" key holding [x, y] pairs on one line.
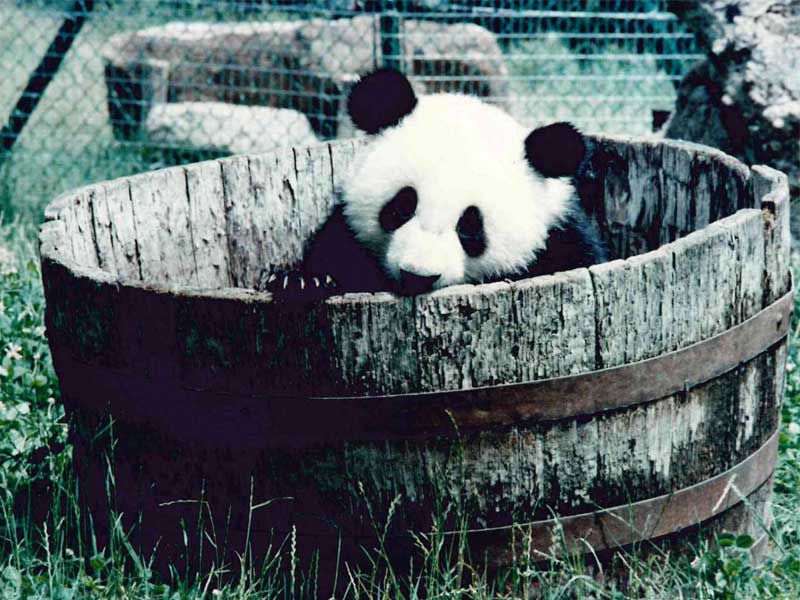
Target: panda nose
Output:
{"points": [[411, 283]]}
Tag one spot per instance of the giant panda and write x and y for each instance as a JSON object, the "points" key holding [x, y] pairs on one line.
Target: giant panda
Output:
{"points": [[447, 190]]}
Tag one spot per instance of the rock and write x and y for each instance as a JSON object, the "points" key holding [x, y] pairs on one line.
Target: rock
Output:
{"points": [[226, 128], [745, 97], [303, 65], [701, 116]]}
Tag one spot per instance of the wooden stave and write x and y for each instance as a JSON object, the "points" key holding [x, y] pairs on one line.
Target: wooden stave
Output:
{"points": [[95, 284]]}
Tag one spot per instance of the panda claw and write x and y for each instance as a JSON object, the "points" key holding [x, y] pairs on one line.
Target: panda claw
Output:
{"points": [[294, 286]]}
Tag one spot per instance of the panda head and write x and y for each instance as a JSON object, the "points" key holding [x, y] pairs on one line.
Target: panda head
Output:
{"points": [[452, 190]]}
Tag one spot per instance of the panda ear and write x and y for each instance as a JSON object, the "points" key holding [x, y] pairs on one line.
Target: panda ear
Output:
{"points": [[556, 150], [380, 99]]}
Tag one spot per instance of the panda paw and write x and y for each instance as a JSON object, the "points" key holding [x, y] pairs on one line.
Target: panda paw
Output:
{"points": [[297, 286]]}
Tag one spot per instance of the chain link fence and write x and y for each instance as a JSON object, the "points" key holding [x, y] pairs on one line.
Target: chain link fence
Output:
{"points": [[153, 82]]}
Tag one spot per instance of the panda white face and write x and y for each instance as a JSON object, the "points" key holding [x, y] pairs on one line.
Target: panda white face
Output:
{"points": [[446, 195]]}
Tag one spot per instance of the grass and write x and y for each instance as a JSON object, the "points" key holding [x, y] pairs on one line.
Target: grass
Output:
{"points": [[57, 557]]}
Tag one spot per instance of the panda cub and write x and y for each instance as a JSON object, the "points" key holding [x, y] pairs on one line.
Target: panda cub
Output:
{"points": [[447, 190]]}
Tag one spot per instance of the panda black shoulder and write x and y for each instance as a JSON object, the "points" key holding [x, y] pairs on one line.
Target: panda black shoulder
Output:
{"points": [[560, 150], [572, 242]]}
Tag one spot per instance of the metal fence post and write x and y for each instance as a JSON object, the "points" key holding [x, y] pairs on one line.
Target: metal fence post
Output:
{"points": [[44, 73], [391, 24]]}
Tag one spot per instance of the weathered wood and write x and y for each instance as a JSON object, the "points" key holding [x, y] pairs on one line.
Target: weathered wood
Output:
{"points": [[240, 219], [114, 211], [568, 466], [615, 313], [464, 327], [314, 187], [374, 343], [553, 317], [686, 291], [277, 216], [655, 193], [53, 238], [207, 223], [101, 230], [771, 190], [267, 224], [295, 355], [148, 280], [80, 230], [634, 308], [160, 208]]}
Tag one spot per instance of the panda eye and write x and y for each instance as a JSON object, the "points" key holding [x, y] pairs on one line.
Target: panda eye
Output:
{"points": [[470, 232], [399, 210]]}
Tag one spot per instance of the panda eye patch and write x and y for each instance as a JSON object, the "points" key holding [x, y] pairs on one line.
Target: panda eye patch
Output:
{"points": [[470, 232], [399, 210]]}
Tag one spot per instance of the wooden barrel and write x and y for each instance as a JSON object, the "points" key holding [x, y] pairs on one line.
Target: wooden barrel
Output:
{"points": [[634, 400]]}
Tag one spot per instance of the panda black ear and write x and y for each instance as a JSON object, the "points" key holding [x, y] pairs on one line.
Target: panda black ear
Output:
{"points": [[555, 150], [380, 99]]}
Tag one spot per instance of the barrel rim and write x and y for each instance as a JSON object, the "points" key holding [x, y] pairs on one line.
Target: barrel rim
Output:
{"points": [[52, 235]]}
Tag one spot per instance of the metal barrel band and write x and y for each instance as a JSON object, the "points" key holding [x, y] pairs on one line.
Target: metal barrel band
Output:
{"points": [[559, 398], [276, 418], [610, 528]]}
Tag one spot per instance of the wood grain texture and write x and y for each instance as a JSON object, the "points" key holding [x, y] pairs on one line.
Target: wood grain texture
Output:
{"points": [[314, 186], [771, 191], [147, 281], [654, 192], [277, 228], [208, 224], [554, 317], [241, 220], [102, 229], [160, 210], [681, 293], [570, 465], [114, 213], [221, 223], [374, 342], [464, 327]]}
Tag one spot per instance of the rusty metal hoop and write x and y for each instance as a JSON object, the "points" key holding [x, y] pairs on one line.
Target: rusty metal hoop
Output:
{"points": [[618, 526]]}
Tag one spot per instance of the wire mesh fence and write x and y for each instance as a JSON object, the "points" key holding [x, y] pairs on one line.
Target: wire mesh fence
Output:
{"points": [[153, 82]]}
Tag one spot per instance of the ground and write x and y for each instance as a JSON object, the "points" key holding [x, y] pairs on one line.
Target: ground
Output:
{"points": [[46, 559]]}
